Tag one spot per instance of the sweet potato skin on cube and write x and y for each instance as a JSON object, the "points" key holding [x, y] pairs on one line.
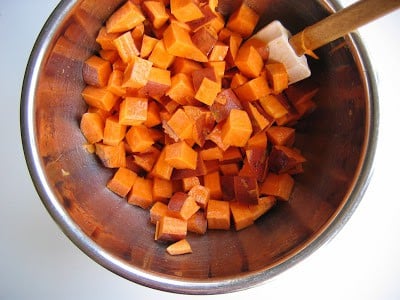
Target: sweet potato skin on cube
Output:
{"points": [[218, 215]]}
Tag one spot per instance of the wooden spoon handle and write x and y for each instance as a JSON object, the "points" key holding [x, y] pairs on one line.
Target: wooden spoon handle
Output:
{"points": [[341, 23]]}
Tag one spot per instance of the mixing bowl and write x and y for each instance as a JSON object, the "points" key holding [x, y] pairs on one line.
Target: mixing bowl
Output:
{"points": [[338, 140]]}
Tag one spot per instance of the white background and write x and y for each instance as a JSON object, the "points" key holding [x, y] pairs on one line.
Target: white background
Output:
{"points": [[38, 262]]}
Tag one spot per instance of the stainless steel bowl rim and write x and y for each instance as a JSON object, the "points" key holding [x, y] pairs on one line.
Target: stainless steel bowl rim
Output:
{"points": [[166, 283]]}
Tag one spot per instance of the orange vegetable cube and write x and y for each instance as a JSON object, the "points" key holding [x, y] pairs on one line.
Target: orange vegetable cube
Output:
{"points": [[258, 118], [157, 211], [122, 181], [181, 156], [99, 97], [182, 206], [153, 115], [243, 20], [110, 55], [200, 194], [264, 205], [181, 90], [218, 52], [111, 156], [125, 18], [156, 12], [184, 65], [161, 168], [189, 182], [242, 215], [237, 129], [148, 44], [162, 189], [249, 61], [185, 10], [92, 127], [96, 71], [106, 40], [277, 77], [160, 56], [278, 185], [170, 229], [207, 91], [141, 193], [146, 159], [126, 47], [115, 83], [180, 125], [253, 89], [178, 42], [280, 135], [159, 81], [139, 138], [218, 215], [238, 80], [133, 111], [197, 223], [137, 73], [211, 153], [273, 106], [205, 39], [212, 182], [114, 132], [179, 248]]}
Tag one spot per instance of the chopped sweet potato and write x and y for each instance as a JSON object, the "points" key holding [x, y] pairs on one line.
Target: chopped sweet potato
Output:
{"points": [[160, 57], [111, 156], [197, 223], [179, 248], [182, 206], [162, 189], [264, 205], [213, 184], [185, 10], [122, 181], [181, 156], [278, 185], [189, 182], [243, 20], [96, 71], [161, 168], [141, 193], [125, 18], [92, 127], [246, 189], [170, 229], [218, 215], [155, 11], [139, 138], [133, 111], [253, 89], [114, 131], [148, 44], [126, 47], [237, 129], [200, 194], [242, 215], [137, 73], [157, 211], [99, 97]]}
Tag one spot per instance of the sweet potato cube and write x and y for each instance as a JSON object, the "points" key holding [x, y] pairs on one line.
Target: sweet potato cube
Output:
{"points": [[141, 193], [111, 156], [258, 118], [170, 229], [160, 56], [273, 106], [153, 114], [181, 156], [218, 52], [155, 11], [208, 91], [277, 76], [237, 129], [137, 73], [126, 47], [182, 206], [255, 162], [184, 65], [197, 223], [148, 44], [125, 18], [264, 205], [190, 182], [234, 41], [157, 211], [114, 132], [200, 74], [218, 215], [185, 10], [238, 80], [242, 216], [114, 84], [243, 20], [249, 61], [282, 159], [253, 89], [205, 38], [261, 47], [213, 183], [99, 97], [228, 188], [278, 185], [200, 170], [139, 138], [281, 135], [179, 126], [212, 153], [246, 189], [162, 189], [200, 194], [158, 82], [133, 111], [225, 101], [161, 168], [122, 181], [259, 140], [179, 248], [216, 136], [181, 90], [147, 159], [92, 127], [232, 155], [229, 169], [96, 71], [178, 42], [106, 40]]}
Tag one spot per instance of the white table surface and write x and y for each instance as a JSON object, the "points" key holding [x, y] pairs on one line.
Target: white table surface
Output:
{"points": [[38, 262]]}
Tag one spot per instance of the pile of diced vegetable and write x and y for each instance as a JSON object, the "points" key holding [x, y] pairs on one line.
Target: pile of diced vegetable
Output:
{"points": [[195, 120]]}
